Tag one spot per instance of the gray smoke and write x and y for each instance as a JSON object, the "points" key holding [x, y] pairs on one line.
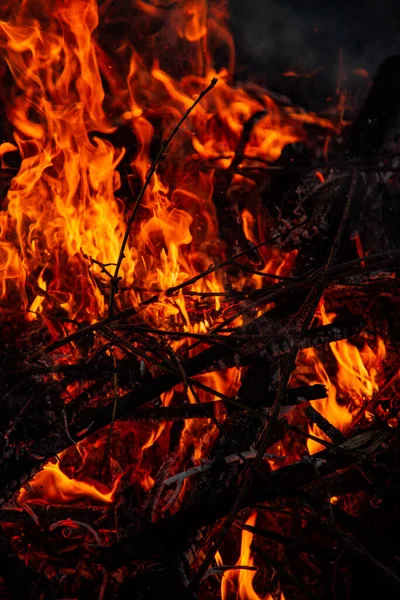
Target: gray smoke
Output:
{"points": [[303, 35]]}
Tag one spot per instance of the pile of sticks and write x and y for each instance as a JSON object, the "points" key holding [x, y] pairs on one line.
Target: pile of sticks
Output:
{"points": [[163, 544]]}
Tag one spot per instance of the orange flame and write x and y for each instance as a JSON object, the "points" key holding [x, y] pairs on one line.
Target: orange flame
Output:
{"points": [[353, 384], [62, 202], [238, 583], [65, 211], [53, 486]]}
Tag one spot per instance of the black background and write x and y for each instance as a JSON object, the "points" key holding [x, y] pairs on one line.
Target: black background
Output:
{"points": [[275, 36]]}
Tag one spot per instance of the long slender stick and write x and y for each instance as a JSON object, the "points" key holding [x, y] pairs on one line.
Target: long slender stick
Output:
{"points": [[164, 146]]}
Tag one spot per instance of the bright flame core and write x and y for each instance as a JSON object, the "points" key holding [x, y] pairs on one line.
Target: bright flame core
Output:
{"points": [[238, 584], [351, 387]]}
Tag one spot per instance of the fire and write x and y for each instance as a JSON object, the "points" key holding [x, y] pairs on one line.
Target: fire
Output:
{"points": [[87, 117], [63, 203], [238, 584], [53, 486], [66, 209], [353, 383]]}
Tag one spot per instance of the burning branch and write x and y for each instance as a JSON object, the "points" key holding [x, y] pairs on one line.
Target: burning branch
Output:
{"points": [[212, 366], [152, 170]]}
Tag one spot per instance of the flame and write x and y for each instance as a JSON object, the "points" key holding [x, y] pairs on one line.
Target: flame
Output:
{"points": [[63, 204], [65, 212], [352, 385], [238, 583], [53, 486]]}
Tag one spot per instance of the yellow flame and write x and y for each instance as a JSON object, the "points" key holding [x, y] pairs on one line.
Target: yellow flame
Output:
{"points": [[238, 583], [53, 486], [353, 384]]}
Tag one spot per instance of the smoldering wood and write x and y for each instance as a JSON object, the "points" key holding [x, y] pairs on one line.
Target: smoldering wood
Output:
{"points": [[193, 516], [18, 470], [215, 358], [196, 411], [330, 430]]}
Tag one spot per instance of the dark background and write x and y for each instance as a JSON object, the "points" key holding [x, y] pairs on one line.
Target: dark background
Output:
{"points": [[275, 36]]}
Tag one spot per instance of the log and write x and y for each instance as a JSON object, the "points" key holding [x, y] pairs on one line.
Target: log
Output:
{"points": [[379, 112]]}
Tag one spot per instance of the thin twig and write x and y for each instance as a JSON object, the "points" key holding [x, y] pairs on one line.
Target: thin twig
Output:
{"points": [[164, 146], [114, 411], [133, 310], [209, 464]]}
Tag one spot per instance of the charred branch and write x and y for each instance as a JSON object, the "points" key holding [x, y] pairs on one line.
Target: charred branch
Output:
{"points": [[287, 480]]}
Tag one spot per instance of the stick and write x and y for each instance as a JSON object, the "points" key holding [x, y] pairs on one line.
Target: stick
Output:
{"points": [[206, 361], [286, 480], [164, 146], [157, 489], [206, 465], [334, 434], [373, 261], [194, 411]]}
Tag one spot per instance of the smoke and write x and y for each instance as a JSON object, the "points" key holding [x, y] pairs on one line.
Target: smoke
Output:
{"points": [[285, 35]]}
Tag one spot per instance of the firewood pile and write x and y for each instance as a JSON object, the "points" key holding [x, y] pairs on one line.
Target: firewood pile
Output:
{"points": [[198, 387]]}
